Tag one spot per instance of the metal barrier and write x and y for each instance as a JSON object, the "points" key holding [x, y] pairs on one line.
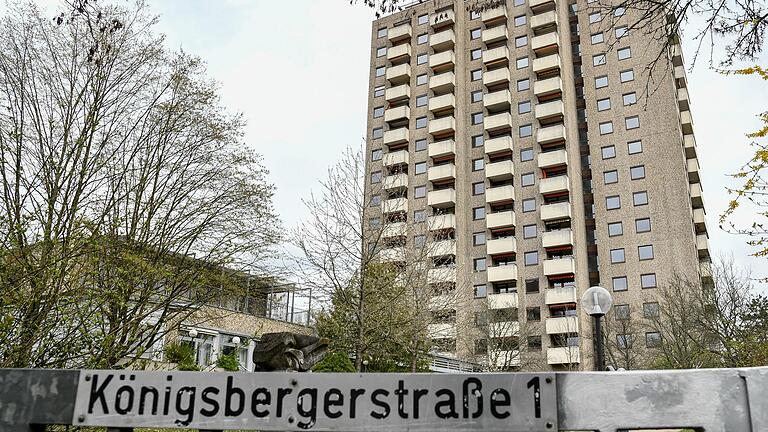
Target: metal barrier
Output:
{"points": [[731, 400]]}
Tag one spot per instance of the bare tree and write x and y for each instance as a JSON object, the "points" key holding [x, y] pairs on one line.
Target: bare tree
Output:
{"points": [[624, 336]]}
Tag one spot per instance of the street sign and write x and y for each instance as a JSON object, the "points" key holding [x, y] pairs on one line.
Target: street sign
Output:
{"points": [[316, 401]]}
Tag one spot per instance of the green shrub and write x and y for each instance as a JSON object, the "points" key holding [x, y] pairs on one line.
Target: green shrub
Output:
{"points": [[228, 362], [335, 362], [181, 354]]}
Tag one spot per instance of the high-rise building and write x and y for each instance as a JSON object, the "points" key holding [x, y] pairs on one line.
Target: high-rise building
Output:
{"points": [[524, 126]]}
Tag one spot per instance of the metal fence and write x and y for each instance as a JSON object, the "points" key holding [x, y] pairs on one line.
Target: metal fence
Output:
{"points": [[731, 400]]}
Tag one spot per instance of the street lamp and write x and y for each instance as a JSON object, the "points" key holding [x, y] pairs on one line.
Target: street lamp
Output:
{"points": [[365, 365], [596, 302]]}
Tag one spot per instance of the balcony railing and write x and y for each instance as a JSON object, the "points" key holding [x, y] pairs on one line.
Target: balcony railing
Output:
{"points": [[501, 170], [505, 219], [559, 266], [502, 246], [502, 273]]}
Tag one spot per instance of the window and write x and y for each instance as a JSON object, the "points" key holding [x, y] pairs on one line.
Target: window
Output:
{"points": [[378, 112], [419, 240], [624, 53], [601, 82], [598, 60], [597, 38], [378, 133], [610, 177], [374, 223], [624, 341], [619, 11], [382, 32], [620, 32], [632, 122], [604, 104], [523, 84], [629, 99], [528, 179], [421, 59], [480, 292], [378, 91], [529, 231], [381, 52], [421, 145], [419, 191], [475, 33], [606, 128], [640, 198], [478, 213], [473, 15], [521, 41], [419, 216], [420, 168], [627, 76], [594, 17], [615, 229], [478, 188], [613, 202], [529, 205], [475, 54], [376, 177], [650, 310], [477, 141], [421, 123], [533, 313], [422, 79], [478, 164], [478, 239], [479, 264], [524, 107], [520, 20], [376, 155], [422, 39], [637, 172], [526, 130], [531, 258], [423, 19], [620, 283], [526, 155], [634, 147], [421, 100], [477, 74], [375, 200], [531, 286], [653, 340], [643, 225], [380, 71], [522, 62], [519, 2], [617, 256], [646, 253], [621, 312], [477, 118], [608, 152], [477, 96]]}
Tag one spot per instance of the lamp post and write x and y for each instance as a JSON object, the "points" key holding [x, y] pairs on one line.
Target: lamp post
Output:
{"points": [[596, 302]]}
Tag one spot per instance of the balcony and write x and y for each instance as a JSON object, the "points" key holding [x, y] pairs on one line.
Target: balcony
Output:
{"points": [[556, 211], [677, 54], [442, 172], [693, 170], [502, 246], [400, 74], [498, 146], [395, 254], [563, 355], [442, 18], [495, 34], [548, 64], [554, 296], [505, 359], [442, 302], [545, 43], [543, 21], [442, 126], [560, 266], [504, 329], [442, 248], [498, 122], [494, 15], [396, 158], [689, 144], [554, 185], [446, 102], [502, 301], [495, 77], [395, 205], [702, 245], [442, 198], [550, 111], [394, 229], [500, 194], [396, 136], [444, 40], [442, 83], [502, 273], [536, 5], [548, 88], [682, 81], [397, 113], [561, 325], [687, 122], [396, 181], [495, 221], [441, 275], [496, 55], [550, 135], [497, 101], [441, 331], [442, 222], [682, 99], [401, 32], [558, 238], [443, 60], [399, 93], [700, 220], [399, 52], [697, 200], [501, 170], [442, 149], [553, 159]]}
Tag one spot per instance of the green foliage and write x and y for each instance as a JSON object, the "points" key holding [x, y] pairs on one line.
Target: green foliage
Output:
{"points": [[181, 354], [228, 362], [334, 362]]}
